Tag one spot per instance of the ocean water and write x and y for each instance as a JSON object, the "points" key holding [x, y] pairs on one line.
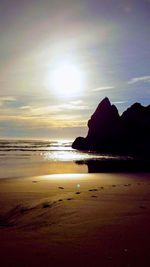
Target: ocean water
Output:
{"points": [[21, 158]]}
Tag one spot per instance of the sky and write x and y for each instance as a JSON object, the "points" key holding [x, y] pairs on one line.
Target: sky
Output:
{"points": [[106, 42]]}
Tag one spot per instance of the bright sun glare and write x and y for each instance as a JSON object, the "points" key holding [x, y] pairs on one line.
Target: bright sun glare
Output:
{"points": [[67, 80]]}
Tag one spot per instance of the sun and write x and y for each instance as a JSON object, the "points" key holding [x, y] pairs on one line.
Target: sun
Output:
{"points": [[67, 80]]}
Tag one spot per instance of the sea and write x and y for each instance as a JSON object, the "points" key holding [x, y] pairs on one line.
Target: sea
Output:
{"points": [[24, 158]]}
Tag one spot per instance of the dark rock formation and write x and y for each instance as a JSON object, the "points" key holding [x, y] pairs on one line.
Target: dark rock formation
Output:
{"points": [[110, 132]]}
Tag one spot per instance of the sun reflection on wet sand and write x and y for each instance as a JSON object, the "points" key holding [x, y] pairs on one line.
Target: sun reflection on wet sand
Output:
{"points": [[66, 176], [72, 155]]}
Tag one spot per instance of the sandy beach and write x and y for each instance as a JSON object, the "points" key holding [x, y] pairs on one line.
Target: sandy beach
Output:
{"points": [[75, 220]]}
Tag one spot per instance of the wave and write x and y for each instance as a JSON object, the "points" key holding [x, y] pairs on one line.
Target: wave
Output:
{"points": [[34, 150], [34, 145]]}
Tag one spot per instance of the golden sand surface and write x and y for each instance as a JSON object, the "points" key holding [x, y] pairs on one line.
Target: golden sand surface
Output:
{"points": [[75, 220]]}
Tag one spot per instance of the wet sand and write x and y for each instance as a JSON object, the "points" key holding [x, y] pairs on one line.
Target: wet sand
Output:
{"points": [[75, 220]]}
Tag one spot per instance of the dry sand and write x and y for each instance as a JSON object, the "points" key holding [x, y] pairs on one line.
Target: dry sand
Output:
{"points": [[75, 220]]}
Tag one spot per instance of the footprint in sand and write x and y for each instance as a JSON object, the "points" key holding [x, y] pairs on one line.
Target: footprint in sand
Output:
{"points": [[69, 198], [78, 193], [60, 200], [34, 181], [94, 189], [46, 205], [127, 184], [102, 187], [60, 187], [113, 185], [93, 196]]}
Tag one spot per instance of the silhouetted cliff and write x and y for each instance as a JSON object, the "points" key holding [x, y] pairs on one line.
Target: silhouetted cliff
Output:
{"points": [[110, 132]]}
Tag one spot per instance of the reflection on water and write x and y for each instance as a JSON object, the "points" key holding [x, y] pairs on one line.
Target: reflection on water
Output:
{"points": [[73, 155], [37, 151], [25, 158]]}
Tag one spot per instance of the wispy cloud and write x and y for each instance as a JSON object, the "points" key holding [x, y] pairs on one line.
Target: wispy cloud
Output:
{"points": [[119, 102], [61, 121], [43, 117], [25, 107], [139, 79], [7, 98], [52, 109], [72, 107], [103, 88], [4, 99], [76, 102]]}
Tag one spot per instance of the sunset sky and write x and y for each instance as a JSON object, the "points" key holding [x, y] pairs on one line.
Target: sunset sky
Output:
{"points": [[106, 44]]}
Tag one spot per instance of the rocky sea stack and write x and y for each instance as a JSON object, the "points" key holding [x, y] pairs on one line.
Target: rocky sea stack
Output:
{"points": [[109, 132]]}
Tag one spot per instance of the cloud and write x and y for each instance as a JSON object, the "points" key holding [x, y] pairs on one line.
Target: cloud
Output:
{"points": [[103, 88], [139, 79], [52, 109], [72, 107], [25, 107], [61, 121], [119, 102], [43, 117], [76, 102], [7, 98], [4, 99]]}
